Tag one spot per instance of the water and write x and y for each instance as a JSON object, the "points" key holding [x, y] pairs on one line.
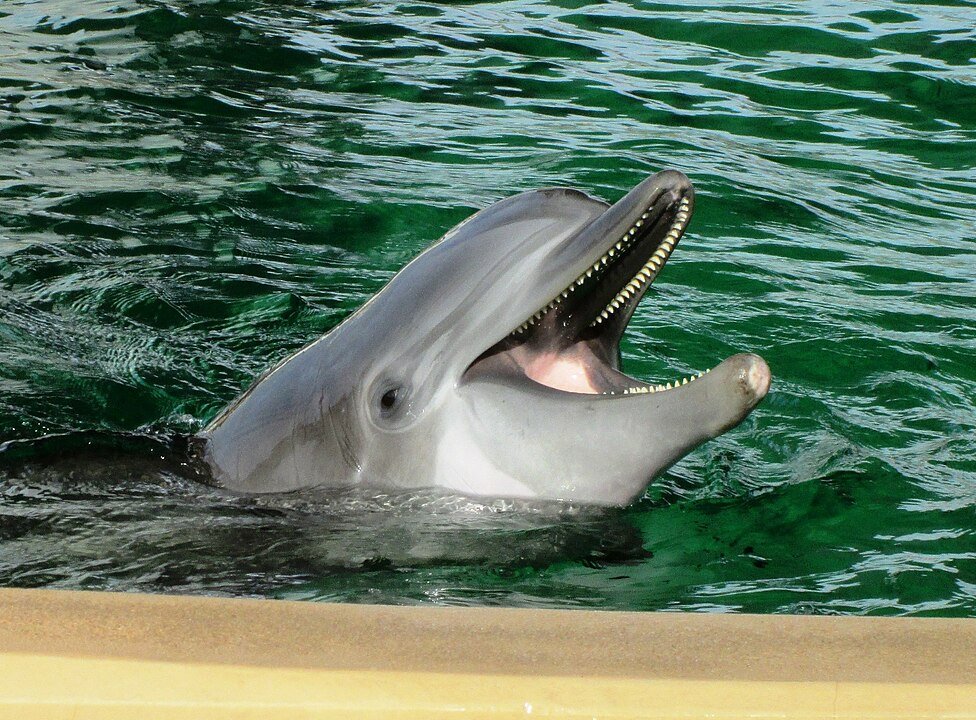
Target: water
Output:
{"points": [[189, 191]]}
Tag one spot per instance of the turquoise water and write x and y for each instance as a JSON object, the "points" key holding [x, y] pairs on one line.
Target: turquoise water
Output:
{"points": [[189, 191]]}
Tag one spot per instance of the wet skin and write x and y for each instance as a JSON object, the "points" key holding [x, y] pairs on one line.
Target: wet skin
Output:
{"points": [[490, 366]]}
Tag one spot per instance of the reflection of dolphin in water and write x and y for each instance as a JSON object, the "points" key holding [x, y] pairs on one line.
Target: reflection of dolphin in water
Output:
{"points": [[490, 366], [127, 519]]}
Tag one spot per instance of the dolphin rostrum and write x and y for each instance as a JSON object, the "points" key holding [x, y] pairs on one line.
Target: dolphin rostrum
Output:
{"points": [[489, 366]]}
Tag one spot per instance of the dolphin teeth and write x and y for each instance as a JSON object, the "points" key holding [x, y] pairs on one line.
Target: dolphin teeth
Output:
{"points": [[589, 272], [611, 252], [644, 216], [667, 385], [684, 381], [638, 223], [605, 314], [619, 246]]}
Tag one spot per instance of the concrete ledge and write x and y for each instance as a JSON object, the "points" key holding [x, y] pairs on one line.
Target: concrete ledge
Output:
{"points": [[81, 655]]}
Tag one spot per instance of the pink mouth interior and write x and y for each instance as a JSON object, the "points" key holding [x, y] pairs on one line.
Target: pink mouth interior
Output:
{"points": [[575, 369], [570, 371]]}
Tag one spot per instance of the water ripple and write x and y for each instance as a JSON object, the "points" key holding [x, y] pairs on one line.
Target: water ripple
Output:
{"points": [[191, 190]]}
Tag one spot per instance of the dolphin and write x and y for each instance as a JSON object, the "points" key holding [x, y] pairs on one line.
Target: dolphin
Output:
{"points": [[490, 366]]}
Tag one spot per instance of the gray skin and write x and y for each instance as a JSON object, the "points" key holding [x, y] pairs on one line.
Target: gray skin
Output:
{"points": [[432, 383]]}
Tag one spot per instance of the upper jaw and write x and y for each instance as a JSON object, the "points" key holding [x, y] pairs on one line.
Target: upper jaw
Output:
{"points": [[612, 263], [572, 342]]}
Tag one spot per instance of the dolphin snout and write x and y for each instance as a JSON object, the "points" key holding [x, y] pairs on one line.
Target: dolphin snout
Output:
{"points": [[754, 377], [674, 183]]}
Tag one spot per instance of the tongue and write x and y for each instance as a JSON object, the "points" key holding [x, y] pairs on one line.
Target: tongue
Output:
{"points": [[574, 369], [561, 373]]}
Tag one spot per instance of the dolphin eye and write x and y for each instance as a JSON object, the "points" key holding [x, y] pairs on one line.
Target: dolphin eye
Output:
{"points": [[389, 398]]}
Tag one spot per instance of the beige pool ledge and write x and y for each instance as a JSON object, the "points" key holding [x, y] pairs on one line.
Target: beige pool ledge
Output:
{"points": [[102, 655]]}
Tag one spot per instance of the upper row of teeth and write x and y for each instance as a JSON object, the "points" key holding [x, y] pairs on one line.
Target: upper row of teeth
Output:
{"points": [[653, 266], [656, 388], [643, 276]]}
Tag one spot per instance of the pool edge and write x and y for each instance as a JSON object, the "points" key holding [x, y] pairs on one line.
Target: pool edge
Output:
{"points": [[79, 654]]}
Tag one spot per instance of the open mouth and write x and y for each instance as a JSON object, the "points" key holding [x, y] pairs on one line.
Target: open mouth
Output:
{"points": [[571, 344]]}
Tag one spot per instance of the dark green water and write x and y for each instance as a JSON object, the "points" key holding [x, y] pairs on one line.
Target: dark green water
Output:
{"points": [[188, 191]]}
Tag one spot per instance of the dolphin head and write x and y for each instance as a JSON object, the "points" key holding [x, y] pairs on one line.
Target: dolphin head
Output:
{"points": [[490, 365]]}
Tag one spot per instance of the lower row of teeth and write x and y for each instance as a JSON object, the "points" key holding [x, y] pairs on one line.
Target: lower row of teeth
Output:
{"points": [[644, 389]]}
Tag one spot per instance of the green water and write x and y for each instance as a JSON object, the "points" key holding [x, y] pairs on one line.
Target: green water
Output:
{"points": [[188, 191]]}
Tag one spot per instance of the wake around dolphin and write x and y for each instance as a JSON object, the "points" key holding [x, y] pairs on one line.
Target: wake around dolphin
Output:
{"points": [[490, 366]]}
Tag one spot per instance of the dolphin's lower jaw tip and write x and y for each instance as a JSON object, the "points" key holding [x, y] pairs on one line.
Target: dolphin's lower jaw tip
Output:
{"points": [[754, 376], [738, 385]]}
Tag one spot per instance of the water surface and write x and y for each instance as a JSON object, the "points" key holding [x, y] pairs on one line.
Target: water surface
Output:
{"points": [[188, 191]]}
